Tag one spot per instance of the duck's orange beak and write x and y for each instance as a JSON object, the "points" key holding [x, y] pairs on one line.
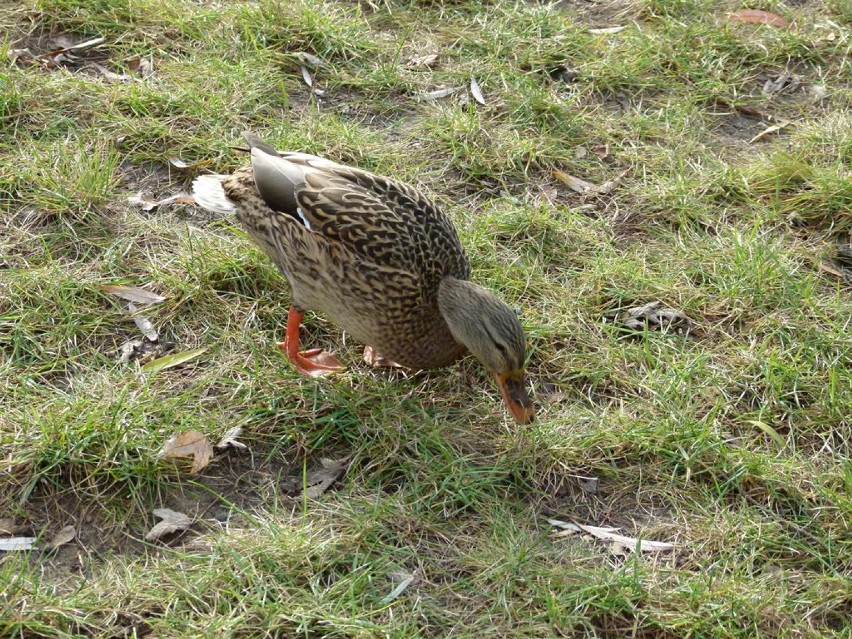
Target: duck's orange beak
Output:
{"points": [[513, 387]]}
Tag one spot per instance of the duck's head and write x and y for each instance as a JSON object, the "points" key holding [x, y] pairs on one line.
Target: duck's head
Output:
{"points": [[491, 331]]}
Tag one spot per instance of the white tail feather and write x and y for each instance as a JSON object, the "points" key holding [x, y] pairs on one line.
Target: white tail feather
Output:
{"points": [[209, 194]]}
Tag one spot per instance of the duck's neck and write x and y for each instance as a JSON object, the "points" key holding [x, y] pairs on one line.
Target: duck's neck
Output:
{"points": [[461, 303]]}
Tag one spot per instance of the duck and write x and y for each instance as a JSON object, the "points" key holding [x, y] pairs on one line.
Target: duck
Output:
{"points": [[377, 257]]}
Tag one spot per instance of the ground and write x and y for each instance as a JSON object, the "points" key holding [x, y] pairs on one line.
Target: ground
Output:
{"points": [[717, 148]]}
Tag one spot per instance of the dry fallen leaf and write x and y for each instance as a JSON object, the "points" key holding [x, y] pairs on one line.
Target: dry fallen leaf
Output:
{"points": [[404, 581], [605, 30], [476, 92], [141, 66], [588, 188], [133, 294], [319, 479], [170, 361], [573, 183], [609, 185], [580, 152], [67, 534], [172, 522], [609, 535], [756, 16], [310, 60], [229, 439], [150, 205], [111, 76], [307, 77], [828, 268], [422, 61], [189, 444], [769, 130], [437, 94], [17, 543]]}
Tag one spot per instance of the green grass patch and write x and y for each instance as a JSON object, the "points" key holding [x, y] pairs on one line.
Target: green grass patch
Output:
{"points": [[730, 440]]}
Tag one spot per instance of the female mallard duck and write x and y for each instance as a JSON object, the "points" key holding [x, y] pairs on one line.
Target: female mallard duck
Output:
{"points": [[376, 256]]}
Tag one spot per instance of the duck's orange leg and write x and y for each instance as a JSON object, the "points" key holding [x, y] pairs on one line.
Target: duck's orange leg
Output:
{"points": [[313, 363]]}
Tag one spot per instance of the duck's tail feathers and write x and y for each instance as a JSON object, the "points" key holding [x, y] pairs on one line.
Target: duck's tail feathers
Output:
{"points": [[210, 195]]}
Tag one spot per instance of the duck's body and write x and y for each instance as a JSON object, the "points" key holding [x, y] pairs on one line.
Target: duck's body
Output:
{"points": [[376, 256]]}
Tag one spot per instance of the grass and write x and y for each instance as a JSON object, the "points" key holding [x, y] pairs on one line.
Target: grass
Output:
{"points": [[732, 441]]}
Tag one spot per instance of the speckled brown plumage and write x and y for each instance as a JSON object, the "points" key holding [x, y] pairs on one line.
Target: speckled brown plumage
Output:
{"points": [[375, 255], [384, 249]]}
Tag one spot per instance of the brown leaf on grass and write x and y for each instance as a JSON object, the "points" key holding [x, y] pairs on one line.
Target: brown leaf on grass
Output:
{"points": [[17, 543], [573, 183], [609, 186], [143, 67], [587, 188], [229, 439], [9, 527], [170, 361], [110, 76], [476, 92], [133, 294], [769, 130], [172, 522], [189, 444], [320, 478], [756, 16], [752, 112], [619, 542], [437, 94], [427, 61], [380, 361], [601, 150], [828, 268], [150, 205], [310, 60], [64, 536]]}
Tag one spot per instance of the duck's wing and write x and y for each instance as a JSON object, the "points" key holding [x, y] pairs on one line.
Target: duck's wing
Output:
{"points": [[381, 220]]}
